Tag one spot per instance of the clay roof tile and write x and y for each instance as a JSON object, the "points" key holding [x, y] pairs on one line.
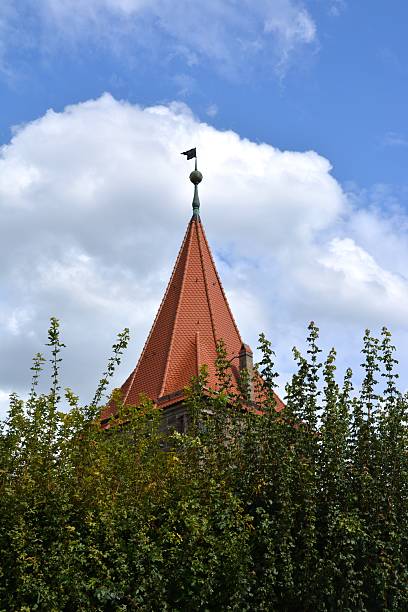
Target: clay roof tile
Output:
{"points": [[193, 316]]}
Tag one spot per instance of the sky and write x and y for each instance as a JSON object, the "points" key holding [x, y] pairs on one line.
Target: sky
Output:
{"points": [[298, 112]]}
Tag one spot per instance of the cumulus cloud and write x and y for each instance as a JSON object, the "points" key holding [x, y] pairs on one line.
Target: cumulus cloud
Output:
{"points": [[362, 281], [94, 202], [226, 35]]}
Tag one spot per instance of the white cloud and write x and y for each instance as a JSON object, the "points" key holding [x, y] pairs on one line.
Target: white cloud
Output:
{"points": [[362, 281], [293, 26], [94, 202], [229, 36]]}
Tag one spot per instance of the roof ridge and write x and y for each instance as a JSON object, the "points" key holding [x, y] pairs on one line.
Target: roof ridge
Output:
{"points": [[220, 283], [158, 313], [180, 295], [206, 285]]}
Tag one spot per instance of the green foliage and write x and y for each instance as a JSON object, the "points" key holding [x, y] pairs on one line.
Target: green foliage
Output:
{"points": [[253, 509]]}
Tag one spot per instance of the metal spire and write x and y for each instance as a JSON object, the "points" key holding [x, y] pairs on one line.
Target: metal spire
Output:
{"points": [[196, 177]]}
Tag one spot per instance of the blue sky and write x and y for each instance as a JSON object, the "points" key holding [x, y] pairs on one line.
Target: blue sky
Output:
{"points": [[344, 94], [313, 222]]}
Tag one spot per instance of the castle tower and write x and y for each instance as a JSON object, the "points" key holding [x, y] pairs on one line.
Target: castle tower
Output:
{"points": [[193, 316]]}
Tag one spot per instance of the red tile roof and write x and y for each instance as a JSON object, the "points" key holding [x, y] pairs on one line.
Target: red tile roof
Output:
{"points": [[193, 316]]}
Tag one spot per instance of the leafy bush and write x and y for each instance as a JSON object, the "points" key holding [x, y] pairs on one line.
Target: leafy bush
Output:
{"points": [[253, 509]]}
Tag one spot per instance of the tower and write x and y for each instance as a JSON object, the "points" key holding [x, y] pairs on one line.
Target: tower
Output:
{"points": [[193, 316]]}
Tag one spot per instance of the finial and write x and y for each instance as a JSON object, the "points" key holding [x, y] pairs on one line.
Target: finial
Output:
{"points": [[195, 177]]}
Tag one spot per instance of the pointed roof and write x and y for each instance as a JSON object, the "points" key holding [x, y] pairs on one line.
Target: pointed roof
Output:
{"points": [[193, 316]]}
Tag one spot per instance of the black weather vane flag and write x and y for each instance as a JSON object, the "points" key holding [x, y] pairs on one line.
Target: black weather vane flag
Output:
{"points": [[190, 154]]}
